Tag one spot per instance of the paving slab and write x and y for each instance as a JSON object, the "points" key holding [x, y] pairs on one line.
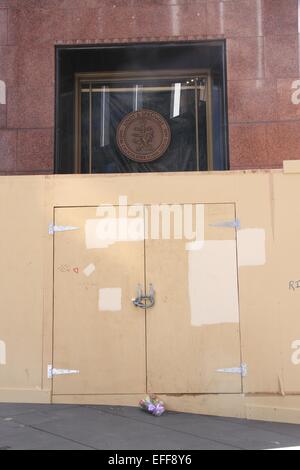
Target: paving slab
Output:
{"points": [[71, 427], [31, 439], [14, 409], [241, 434], [108, 431]]}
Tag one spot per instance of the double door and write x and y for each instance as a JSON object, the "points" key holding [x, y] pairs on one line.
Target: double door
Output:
{"points": [[108, 271]]}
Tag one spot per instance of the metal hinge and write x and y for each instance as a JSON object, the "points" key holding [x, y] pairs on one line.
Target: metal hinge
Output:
{"points": [[243, 370], [52, 371], [228, 224], [60, 228]]}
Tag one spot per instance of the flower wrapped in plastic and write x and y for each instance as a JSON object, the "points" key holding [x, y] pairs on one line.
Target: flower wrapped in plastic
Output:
{"points": [[152, 405]]}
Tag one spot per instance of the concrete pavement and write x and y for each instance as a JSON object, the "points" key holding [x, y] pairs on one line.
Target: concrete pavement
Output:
{"points": [[105, 427]]}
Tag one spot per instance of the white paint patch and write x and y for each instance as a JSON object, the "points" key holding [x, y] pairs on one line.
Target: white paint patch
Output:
{"points": [[89, 270], [296, 354], [198, 243], [213, 288], [110, 299], [2, 92], [2, 353], [251, 245], [194, 246], [101, 233]]}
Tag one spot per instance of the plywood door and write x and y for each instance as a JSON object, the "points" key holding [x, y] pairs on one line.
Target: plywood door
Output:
{"points": [[97, 330], [193, 329]]}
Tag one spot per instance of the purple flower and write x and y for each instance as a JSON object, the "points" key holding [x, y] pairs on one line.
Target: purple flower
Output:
{"points": [[152, 405], [159, 409]]}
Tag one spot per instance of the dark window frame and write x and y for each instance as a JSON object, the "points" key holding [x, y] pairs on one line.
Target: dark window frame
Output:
{"points": [[61, 49]]}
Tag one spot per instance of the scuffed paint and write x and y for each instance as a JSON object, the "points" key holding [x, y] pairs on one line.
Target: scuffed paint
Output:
{"points": [[2, 353], [2, 92], [110, 299], [212, 280], [194, 246], [296, 354], [89, 270], [251, 244]]}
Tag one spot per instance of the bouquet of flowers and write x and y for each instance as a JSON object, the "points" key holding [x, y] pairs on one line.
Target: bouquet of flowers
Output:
{"points": [[152, 405]]}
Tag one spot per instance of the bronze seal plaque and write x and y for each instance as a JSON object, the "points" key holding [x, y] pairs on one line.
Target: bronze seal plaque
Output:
{"points": [[143, 136]]}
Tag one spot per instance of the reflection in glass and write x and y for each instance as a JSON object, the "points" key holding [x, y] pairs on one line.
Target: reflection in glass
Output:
{"points": [[105, 117], [137, 97], [175, 100]]}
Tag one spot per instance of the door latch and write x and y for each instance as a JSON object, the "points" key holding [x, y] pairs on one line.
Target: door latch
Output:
{"points": [[144, 301]]}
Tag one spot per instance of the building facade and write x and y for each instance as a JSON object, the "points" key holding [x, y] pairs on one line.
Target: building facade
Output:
{"points": [[261, 72], [184, 282]]}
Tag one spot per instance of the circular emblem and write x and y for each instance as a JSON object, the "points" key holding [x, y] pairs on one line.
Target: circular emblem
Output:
{"points": [[143, 136]]}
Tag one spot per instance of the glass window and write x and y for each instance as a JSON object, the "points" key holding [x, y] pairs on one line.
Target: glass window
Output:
{"points": [[144, 124], [106, 92]]}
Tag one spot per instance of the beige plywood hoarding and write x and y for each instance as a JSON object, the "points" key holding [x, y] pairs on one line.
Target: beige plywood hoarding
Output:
{"points": [[266, 340]]}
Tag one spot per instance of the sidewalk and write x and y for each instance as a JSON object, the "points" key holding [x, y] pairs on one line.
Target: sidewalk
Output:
{"points": [[106, 427]]}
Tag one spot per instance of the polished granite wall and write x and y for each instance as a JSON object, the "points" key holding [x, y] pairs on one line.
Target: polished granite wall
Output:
{"points": [[263, 66]]}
